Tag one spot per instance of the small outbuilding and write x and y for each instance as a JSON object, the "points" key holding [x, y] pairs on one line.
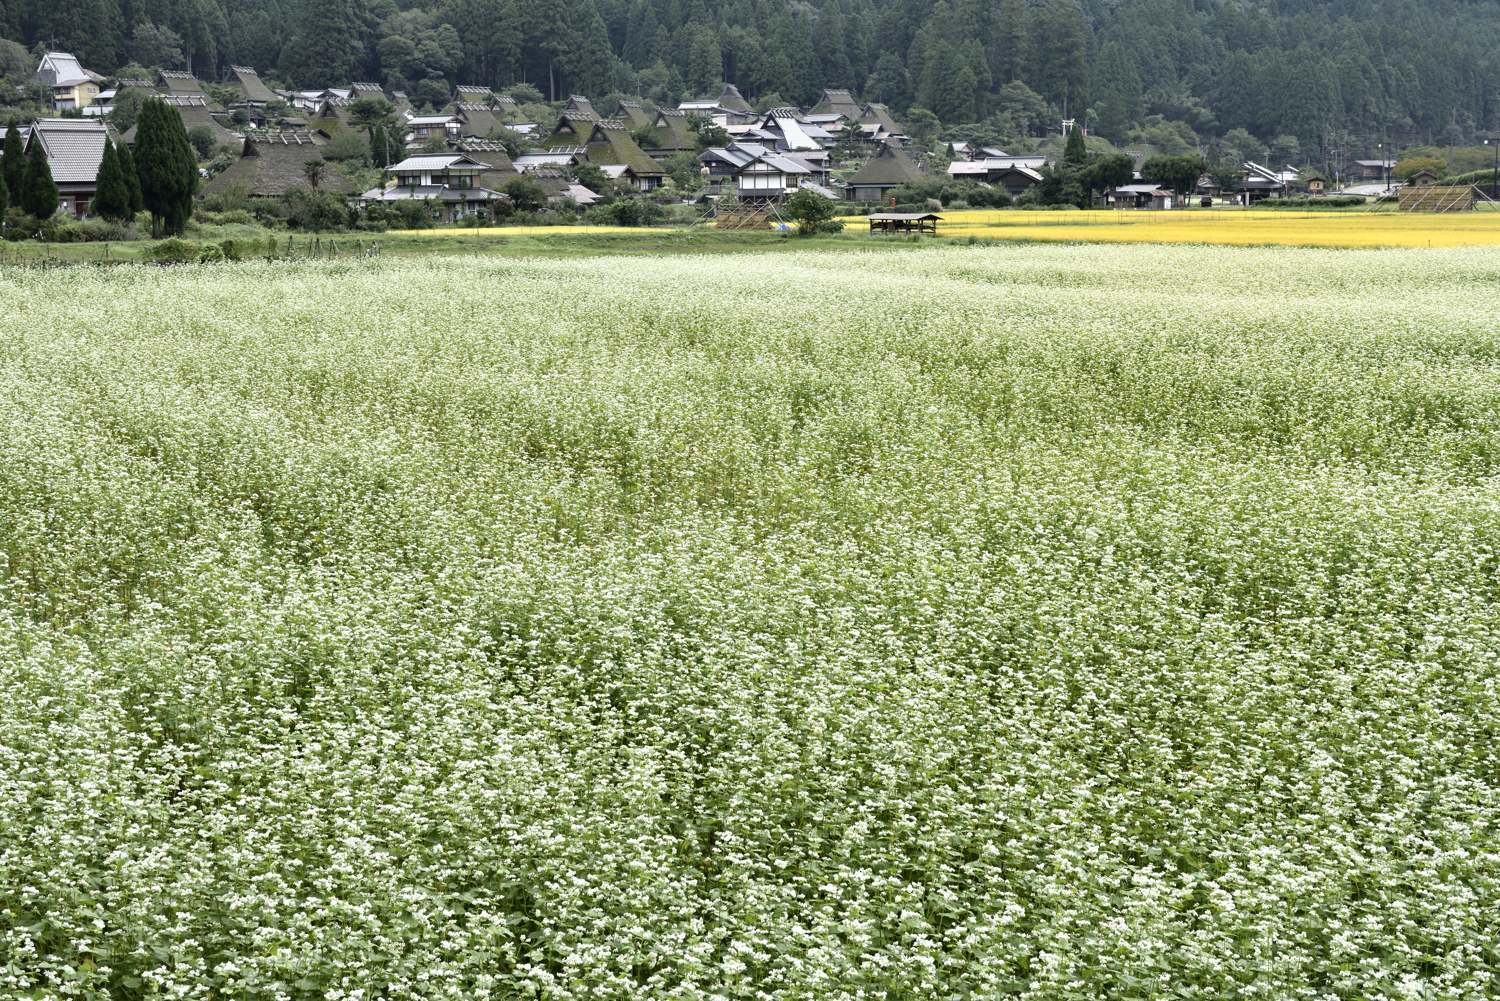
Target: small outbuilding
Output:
{"points": [[904, 222]]}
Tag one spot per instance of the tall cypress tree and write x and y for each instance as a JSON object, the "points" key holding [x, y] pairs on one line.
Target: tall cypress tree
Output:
{"points": [[38, 190], [379, 147], [4, 198], [13, 163], [1075, 151], [167, 167], [111, 194], [132, 178]]}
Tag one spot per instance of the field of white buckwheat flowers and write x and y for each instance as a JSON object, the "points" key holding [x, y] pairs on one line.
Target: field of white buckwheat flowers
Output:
{"points": [[1039, 622]]}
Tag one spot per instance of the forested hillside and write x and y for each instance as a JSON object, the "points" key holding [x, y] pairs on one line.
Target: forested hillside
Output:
{"points": [[1410, 70]]}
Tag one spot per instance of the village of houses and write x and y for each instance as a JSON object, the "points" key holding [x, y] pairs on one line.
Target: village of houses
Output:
{"points": [[452, 161]]}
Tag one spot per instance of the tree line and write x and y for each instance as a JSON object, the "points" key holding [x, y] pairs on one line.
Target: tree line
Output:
{"points": [[1172, 73]]}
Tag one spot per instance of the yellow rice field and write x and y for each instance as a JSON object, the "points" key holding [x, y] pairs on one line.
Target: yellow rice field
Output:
{"points": [[1264, 227]]}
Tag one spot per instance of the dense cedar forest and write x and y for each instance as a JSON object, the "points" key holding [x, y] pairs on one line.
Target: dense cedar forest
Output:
{"points": [[1409, 70]]}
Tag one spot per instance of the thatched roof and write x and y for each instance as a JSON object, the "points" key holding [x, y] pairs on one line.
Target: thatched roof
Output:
{"points": [[612, 145], [838, 102], [492, 154], [252, 88], [581, 106], [732, 100], [879, 114], [634, 116], [573, 129], [178, 82], [193, 110], [472, 94], [888, 168], [477, 119], [274, 163], [672, 133]]}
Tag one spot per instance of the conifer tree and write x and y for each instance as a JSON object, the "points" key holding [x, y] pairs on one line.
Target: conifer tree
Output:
{"points": [[38, 190], [112, 193], [1075, 152], [379, 147], [13, 163], [167, 167], [132, 178], [4, 198]]}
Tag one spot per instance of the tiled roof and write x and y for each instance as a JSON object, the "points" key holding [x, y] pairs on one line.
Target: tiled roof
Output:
{"points": [[74, 147]]}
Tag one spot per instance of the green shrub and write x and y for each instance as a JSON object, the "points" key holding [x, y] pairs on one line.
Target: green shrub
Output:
{"points": [[90, 231], [173, 251], [627, 212], [211, 254]]}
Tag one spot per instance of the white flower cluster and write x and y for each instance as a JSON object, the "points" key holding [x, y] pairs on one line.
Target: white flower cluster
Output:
{"points": [[1033, 622]]}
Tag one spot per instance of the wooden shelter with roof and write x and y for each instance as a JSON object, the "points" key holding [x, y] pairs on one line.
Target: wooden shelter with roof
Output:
{"points": [[904, 222], [252, 88], [888, 169], [274, 163]]}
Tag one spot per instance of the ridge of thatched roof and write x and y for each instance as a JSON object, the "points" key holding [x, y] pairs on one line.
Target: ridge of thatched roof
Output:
{"points": [[178, 82], [580, 105]]}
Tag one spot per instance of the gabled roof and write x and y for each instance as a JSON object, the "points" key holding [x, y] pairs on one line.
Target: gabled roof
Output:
{"points": [[435, 163], [780, 163], [74, 147], [634, 116], [580, 105], [365, 88], [561, 157], [889, 167], [879, 114], [471, 93], [477, 119], [430, 120], [178, 82], [611, 144], [839, 102], [670, 131], [252, 88], [783, 123], [62, 69], [730, 99], [573, 129]]}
